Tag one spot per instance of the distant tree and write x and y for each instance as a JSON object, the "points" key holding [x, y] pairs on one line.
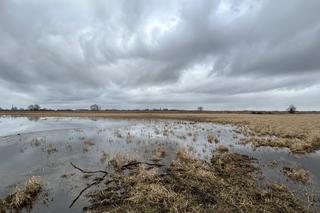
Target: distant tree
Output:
{"points": [[94, 107], [14, 108], [292, 109], [34, 107], [200, 108]]}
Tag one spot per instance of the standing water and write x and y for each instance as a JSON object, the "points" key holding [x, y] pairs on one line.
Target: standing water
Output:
{"points": [[45, 147]]}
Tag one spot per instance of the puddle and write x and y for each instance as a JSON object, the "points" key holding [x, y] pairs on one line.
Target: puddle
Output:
{"points": [[46, 146]]}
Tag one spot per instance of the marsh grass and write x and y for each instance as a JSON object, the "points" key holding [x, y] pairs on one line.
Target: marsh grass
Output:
{"points": [[299, 133], [104, 157], [87, 145], [51, 148], [36, 142], [159, 153], [227, 184], [222, 148], [296, 174], [120, 159], [212, 138], [22, 197]]}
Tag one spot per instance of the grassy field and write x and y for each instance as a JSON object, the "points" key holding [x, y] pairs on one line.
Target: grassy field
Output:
{"points": [[298, 132]]}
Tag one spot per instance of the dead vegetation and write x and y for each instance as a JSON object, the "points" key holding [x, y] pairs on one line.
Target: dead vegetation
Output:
{"points": [[87, 145], [300, 132], [222, 148], [104, 157], [227, 184], [212, 138], [296, 174], [51, 148], [22, 197], [159, 153]]}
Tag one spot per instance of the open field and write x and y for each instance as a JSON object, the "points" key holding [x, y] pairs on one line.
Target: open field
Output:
{"points": [[151, 162], [298, 132]]}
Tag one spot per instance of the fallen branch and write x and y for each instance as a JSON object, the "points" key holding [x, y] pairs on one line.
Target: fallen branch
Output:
{"points": [[88, 187], [87, 171], [82, 191], [99, 180], [135, 163]]}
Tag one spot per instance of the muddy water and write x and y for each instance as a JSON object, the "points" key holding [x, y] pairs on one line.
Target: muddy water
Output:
{"points": [[46, 146]]}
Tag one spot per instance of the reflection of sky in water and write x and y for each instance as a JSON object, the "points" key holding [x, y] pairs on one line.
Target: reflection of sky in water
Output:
{"points": [[26, 154]]}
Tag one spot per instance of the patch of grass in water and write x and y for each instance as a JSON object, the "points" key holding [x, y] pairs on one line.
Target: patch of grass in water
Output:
{"points": [[159, 153], [296, 174], [22, 197], [227, 184]]}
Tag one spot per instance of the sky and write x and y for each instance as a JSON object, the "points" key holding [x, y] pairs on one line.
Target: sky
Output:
{"points": [[181, 54]]}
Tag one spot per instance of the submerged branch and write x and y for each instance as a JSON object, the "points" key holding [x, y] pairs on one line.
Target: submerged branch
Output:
{"points": [[87, 171], [135, 163]]}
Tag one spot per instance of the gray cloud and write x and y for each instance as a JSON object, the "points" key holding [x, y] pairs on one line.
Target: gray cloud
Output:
{"points": [[221, 54]]}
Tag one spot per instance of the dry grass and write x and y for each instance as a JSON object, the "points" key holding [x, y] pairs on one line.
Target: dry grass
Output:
{"points": [[300, 133], [296, 174], [159, 153], [51, 148], [188, 185], [104, 157], [22, 197], [120, 159], [36, 142], [87, 145], [212, 138], [88, 142], [222, 148]]}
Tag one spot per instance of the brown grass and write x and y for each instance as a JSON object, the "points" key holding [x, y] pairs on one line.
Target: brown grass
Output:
{"points": [[118, 160], [212, 138], [159, 153], [51, 148], [87, 145], [104, 157], [222, 148], [296, 174], [22, 197], [188, 185]]}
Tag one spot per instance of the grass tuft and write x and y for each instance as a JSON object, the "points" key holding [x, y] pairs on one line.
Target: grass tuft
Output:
{"points": [[22, 197], [296, 174]]}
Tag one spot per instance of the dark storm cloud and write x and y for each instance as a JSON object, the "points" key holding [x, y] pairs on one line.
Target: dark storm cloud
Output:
{"points": [[220, 54]]}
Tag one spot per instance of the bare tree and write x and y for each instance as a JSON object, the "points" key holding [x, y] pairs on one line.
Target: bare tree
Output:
{"points": [[34, 107], [200, 108], [95, 107], [291, 109]]}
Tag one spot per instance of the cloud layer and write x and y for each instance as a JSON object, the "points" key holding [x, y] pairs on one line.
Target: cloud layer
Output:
{"points": [[220, 54]]}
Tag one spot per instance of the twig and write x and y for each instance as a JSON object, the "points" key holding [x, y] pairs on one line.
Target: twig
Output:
{"points": [[88, 187], [87, 171], [135, 163], [82, 191]]}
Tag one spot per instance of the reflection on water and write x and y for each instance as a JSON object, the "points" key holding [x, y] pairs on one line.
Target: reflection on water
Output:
{"points": [[46, 146]]}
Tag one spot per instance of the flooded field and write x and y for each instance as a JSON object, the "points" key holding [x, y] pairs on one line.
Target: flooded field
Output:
{"points": [[46, 147]]}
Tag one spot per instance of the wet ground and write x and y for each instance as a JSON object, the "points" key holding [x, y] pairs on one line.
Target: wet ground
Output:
{"points": [[46, 146]]}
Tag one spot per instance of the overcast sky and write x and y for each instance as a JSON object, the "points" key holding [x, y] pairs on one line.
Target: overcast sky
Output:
{"points": [[220, 54]]}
